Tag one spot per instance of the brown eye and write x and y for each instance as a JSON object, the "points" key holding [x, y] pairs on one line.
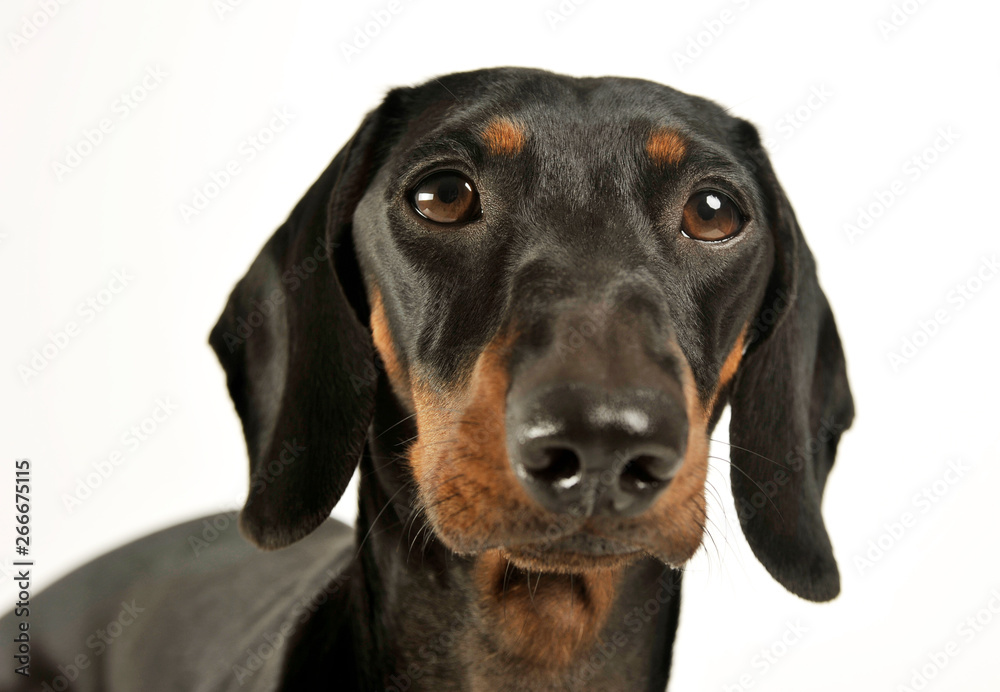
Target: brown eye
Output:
{"points": [[446, 197], [710, 215]]}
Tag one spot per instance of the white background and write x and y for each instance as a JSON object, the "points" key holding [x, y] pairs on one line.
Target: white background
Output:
{"points": [[119, 209]]}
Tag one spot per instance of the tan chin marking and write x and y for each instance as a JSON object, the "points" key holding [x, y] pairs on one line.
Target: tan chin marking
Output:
{"points": [[544, 618]]}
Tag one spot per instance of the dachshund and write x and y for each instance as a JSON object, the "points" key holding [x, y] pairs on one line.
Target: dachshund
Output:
{"points": [[518, 303]]}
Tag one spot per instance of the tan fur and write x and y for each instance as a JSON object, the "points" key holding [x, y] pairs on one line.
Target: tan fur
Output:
{"points": [[677, 518], [382, 338], [666, 146], [476, 506], [547, 619], [729, 367], [474, 501], [504, 136], [459, 460]]}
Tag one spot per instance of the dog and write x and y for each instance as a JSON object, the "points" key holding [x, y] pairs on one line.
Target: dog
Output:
{"points": [[520, 302]]}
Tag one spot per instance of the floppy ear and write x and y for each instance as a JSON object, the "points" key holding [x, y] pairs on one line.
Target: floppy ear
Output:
{"points": [[298, 360], [790, 403]]}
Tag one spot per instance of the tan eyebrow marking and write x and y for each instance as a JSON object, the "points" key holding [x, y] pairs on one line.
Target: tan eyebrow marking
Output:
{"points": [[666, 146], [504, 136]]}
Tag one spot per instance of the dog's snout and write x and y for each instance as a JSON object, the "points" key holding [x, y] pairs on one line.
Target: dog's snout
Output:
{"points": [[584, 449]]}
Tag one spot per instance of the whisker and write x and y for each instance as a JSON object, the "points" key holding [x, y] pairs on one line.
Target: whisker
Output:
{"points": [[503, 596], [705, 531], [750, 451], [572, 594], [538, 583], [395, 459], [375, 520], [752, 481], [399, 422], [425, 526]]}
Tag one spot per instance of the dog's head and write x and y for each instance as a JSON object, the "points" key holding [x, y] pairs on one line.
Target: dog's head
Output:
{"points": [[565, 281]]}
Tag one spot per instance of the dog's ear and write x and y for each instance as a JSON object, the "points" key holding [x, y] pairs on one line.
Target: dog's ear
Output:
{"points": [[298, 358], [790, 403]]}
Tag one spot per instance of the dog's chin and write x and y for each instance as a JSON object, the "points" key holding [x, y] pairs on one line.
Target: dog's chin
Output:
{"points": [[573, 554], [568, 563], [578, 551]]}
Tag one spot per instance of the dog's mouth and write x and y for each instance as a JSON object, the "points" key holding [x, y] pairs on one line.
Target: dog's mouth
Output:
{"points": [[572, 553]]}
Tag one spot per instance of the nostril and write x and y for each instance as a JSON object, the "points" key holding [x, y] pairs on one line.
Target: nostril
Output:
{"points": [[648, 471], [556, 465]]}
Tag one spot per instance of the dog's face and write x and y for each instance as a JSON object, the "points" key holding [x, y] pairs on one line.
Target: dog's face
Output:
{"points": [[566, 281], [561, 276]]}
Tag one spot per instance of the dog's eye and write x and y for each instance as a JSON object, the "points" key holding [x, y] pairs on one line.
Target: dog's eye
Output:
{"points": [[446, 197], [710, 215]]}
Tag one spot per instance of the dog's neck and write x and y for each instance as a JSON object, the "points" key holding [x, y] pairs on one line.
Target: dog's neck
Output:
{"points": [[423, 619]]}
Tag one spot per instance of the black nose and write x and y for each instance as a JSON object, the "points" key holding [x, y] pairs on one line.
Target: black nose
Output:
{"points": [[586, 450]]}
